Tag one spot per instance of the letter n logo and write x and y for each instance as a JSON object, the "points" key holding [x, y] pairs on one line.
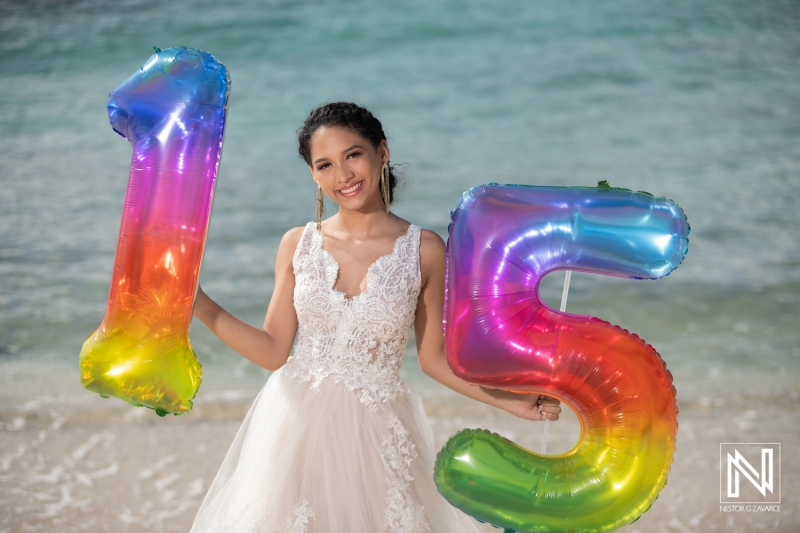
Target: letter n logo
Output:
{"points": [[738, 464]]}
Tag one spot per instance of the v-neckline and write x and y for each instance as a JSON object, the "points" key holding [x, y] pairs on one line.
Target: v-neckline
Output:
{"points": [[331, 284]]}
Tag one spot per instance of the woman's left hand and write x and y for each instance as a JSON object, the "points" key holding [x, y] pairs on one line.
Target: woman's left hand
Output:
{"points": [[532, 406]]}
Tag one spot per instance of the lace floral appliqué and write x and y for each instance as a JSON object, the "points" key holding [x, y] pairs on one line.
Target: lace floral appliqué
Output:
{"points": [[403, 513], [298, 523]]}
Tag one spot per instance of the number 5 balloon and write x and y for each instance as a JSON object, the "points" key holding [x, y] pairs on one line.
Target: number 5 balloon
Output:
{"points": [[503, 241], [172, 110]]}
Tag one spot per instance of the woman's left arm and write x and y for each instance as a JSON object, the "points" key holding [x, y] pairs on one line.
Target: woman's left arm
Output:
{"points": [[431, 347]]}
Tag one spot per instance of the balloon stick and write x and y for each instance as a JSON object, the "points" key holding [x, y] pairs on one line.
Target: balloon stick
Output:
{"points": [[563, 308]]}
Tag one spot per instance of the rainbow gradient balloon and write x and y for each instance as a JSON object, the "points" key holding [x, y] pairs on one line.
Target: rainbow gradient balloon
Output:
{"points": [[172, 110], [503, 241]]}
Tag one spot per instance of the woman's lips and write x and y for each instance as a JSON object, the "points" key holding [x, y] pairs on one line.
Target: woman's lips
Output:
{"points": [[352, 190]]}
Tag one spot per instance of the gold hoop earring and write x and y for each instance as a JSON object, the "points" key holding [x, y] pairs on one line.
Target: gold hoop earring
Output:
{"points": [[320, 207], [385, 185]]}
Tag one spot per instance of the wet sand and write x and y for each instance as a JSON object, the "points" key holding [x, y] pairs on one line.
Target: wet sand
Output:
{"points": [[73, 462]]}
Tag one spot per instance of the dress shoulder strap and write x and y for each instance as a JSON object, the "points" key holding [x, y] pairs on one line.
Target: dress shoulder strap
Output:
{"points": [[416, 233], [408, 248], [306, 242]]}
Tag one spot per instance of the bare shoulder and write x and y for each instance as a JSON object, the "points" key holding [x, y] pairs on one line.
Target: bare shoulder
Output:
{"points": [[292, 237], [288, 245], [430, 243], [432, 253]]}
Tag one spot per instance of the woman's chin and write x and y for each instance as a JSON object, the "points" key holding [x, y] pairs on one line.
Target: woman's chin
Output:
{"points": [[359, 206]]}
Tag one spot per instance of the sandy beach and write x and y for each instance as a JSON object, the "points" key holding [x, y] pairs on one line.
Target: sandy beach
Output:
{"points": [[72, 462]]}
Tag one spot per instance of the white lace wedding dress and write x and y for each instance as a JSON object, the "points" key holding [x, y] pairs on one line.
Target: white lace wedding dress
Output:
{"points": [[335, 442]]}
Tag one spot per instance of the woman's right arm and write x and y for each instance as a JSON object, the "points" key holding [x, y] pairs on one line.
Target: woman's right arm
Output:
{"points": [[268, 346]]}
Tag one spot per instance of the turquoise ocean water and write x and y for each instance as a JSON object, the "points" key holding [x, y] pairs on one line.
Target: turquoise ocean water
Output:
{"points": [[696, 101]]}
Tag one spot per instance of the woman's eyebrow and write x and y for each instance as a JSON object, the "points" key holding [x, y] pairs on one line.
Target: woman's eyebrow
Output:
{"points": [[343, 151]]}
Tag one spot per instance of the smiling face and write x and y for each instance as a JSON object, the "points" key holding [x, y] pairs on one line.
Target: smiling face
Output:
{"points": [[348, 168]]}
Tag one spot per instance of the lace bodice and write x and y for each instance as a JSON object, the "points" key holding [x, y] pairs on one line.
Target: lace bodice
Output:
{"points": [[358, 342]]}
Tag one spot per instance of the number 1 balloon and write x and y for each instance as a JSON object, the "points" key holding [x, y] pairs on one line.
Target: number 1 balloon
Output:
{"points": [[172, 111], [503, 241]]}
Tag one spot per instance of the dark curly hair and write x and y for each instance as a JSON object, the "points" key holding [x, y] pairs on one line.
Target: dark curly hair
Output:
{"points": [[346, 115]]}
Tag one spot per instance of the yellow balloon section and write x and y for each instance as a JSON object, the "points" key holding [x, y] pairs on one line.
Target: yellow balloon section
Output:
{"points": [[172, 110], [503, 241]]}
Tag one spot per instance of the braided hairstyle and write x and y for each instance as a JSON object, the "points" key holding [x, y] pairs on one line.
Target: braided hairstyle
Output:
{"points": [[345, 115]]}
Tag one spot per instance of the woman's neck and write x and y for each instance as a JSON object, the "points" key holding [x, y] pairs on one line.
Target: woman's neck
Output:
{"points": [[360, 226]]}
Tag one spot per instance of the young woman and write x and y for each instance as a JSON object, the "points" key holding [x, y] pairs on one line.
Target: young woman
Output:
{"points": [[335, 441]]}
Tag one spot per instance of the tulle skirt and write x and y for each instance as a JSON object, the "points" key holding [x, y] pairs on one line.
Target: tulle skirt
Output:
{"points": [[317, 460]]}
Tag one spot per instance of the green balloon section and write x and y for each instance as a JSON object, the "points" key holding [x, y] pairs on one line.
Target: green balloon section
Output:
{"points": [[496, 481]]}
